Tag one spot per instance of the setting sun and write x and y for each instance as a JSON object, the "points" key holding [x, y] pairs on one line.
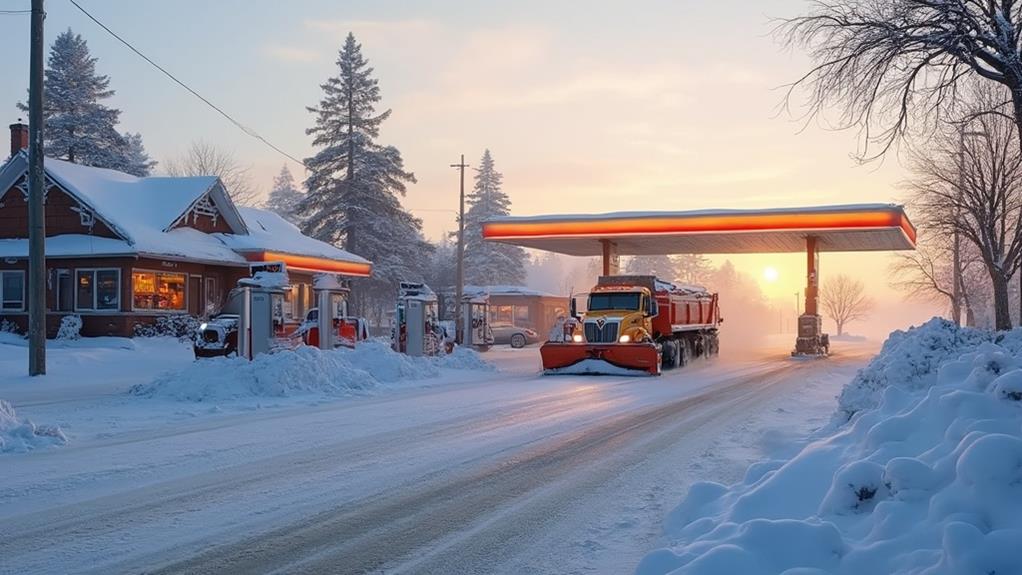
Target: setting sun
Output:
{"points": [[770, 274]]}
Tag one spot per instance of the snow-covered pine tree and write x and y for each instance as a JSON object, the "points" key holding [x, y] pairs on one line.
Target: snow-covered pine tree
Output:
{"points": [[133, 158], [490, 263], [355, 184], [78, 127], [661, 266], [284, 197]]}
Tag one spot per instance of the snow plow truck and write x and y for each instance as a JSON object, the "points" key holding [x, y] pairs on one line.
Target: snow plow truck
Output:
{"points": [[635, 324]]}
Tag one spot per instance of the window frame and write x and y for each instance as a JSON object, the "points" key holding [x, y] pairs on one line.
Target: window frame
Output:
{"points": [[95, 291], [156, 273], [3, 307]]}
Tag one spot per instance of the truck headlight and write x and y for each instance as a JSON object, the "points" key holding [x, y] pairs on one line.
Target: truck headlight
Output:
{"points": [[203, 326], [625, 338], [577, 338]]}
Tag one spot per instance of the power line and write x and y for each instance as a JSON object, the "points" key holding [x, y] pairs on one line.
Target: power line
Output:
{"points": [[250, 132], [14, 12]]}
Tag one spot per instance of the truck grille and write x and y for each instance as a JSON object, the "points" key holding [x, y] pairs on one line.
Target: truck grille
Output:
{"points": [[595, 334], [210, 336]]}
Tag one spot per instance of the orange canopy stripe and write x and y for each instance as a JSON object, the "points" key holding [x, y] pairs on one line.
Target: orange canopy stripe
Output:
{"points": [[313, 264], [681, 224]]}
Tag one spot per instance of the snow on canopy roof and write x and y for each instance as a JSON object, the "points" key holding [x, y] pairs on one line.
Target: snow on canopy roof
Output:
{"points": [[497, 290], [267, 231], [853, 227]]}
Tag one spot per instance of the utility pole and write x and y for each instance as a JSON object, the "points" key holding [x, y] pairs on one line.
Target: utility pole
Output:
{"points": [[458, 291], [36, 190]]}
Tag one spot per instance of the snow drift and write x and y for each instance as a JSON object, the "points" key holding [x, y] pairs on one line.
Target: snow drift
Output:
{"points": [[20, 435], [305, 370], [920, 472]]}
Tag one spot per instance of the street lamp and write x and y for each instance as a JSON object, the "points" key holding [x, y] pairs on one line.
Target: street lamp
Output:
{"points": [[956, 249]]}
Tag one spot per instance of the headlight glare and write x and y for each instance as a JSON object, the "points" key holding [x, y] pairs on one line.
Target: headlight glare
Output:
{"points": [[625, 338], [577, 338]]}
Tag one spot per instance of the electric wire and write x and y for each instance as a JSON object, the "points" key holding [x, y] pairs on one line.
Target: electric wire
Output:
{"points": [[248, 131]]}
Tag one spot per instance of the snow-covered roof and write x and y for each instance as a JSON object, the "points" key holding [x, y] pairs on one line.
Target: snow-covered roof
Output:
{"points": [[852, 227], [268, 231], [145, 212], [497, 290]]}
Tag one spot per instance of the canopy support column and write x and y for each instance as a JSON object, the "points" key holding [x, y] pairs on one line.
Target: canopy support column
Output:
{"points": [[811, 340], [611, 260], [812, 277]]}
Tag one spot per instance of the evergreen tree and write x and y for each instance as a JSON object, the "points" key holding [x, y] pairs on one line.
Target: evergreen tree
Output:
{"points": [[284, 197], [79, 128], [355, 184], [490, 263], [133, 158], [662, 266]]}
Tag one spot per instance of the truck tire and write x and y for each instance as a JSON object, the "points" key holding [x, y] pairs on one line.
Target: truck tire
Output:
{"points": [[670, 354]]}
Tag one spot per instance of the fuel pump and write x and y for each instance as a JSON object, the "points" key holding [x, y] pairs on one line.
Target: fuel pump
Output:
{"points": [[417, 328], [475, 323]]}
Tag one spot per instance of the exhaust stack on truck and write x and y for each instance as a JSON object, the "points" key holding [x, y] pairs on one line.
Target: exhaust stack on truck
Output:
{"points": [[636, 324]]}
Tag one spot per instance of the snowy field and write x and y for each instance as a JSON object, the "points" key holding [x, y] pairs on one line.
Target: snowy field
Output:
{"points": [[919, 471], [366, 462]]}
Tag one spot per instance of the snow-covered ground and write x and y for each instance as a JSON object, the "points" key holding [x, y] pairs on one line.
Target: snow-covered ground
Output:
{"points": [[362, 461], [919, 471]]}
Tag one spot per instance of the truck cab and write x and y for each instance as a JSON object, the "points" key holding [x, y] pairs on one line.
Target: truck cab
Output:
{"points": [[619, 314]]}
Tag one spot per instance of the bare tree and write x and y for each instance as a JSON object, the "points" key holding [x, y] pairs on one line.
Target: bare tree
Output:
{"points": [[885, 63], [844, 300], [205, 159], [972, 186], [926, 274]]}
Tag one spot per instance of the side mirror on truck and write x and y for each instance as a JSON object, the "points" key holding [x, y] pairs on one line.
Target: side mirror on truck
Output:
{"points": [[574, 307]]}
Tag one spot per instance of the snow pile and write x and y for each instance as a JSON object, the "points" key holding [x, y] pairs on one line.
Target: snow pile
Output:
{"points": [[70, 327], [927, 479], [910, 359], [21, 435], [305, 370]]}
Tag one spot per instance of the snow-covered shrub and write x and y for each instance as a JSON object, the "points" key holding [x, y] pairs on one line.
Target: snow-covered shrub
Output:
{"points": [[70, 327], [8, 327], [926, 478], [181, 326], [20, 435]]}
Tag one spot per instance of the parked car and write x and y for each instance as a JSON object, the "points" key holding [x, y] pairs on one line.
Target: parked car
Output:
{"points": [[217, 337], [516, 336]]}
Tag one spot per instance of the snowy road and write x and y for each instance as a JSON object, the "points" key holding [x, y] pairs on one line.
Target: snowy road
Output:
{"points": [[510, 473]]}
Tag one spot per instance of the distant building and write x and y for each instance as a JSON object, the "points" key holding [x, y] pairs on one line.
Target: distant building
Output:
{"points": [[520, 306], [123, 251]]}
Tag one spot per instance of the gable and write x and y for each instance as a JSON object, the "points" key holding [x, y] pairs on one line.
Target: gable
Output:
{"points": [[212, 212], [64, 214]]}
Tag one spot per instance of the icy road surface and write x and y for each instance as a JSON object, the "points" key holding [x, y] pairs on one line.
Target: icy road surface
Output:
{"points": [[509, 473]]}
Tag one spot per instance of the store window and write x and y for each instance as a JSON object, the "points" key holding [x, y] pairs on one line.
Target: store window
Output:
{"points": [[502, 315], [12, 290], [158, 291], [521, 315], [98, 290]]}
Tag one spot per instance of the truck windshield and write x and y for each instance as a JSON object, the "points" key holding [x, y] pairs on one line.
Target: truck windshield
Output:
{"points": [[609, 301]]}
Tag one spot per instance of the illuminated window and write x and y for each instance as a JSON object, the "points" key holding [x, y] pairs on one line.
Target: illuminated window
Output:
{"points": [[12, 290], [521, 315], [502, 315], [158, 291], [98, 290]]}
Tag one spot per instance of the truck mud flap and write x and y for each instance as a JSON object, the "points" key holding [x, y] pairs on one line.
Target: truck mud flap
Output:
{"points": [[608, 359]]}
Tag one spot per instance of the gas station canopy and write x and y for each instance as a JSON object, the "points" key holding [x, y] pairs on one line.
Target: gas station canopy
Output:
{"points": [[843, 228]]}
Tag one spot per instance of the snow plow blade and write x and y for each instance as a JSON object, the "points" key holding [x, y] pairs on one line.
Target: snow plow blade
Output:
{"points": [[600, 359]]}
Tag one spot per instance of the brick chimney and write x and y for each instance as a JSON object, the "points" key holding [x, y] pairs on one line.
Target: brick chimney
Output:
{"points": [[19, 137]]}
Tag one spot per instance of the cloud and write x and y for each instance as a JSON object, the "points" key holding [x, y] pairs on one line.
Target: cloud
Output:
{"points": [[291, 53]]}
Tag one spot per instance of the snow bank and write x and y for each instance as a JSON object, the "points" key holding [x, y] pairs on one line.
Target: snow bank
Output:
{"points": [[305, 370], [925, 478], [20, 435]]}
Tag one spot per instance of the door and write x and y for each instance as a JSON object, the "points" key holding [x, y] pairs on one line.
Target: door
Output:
{"points": [[195, 295], [65, 291]]}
